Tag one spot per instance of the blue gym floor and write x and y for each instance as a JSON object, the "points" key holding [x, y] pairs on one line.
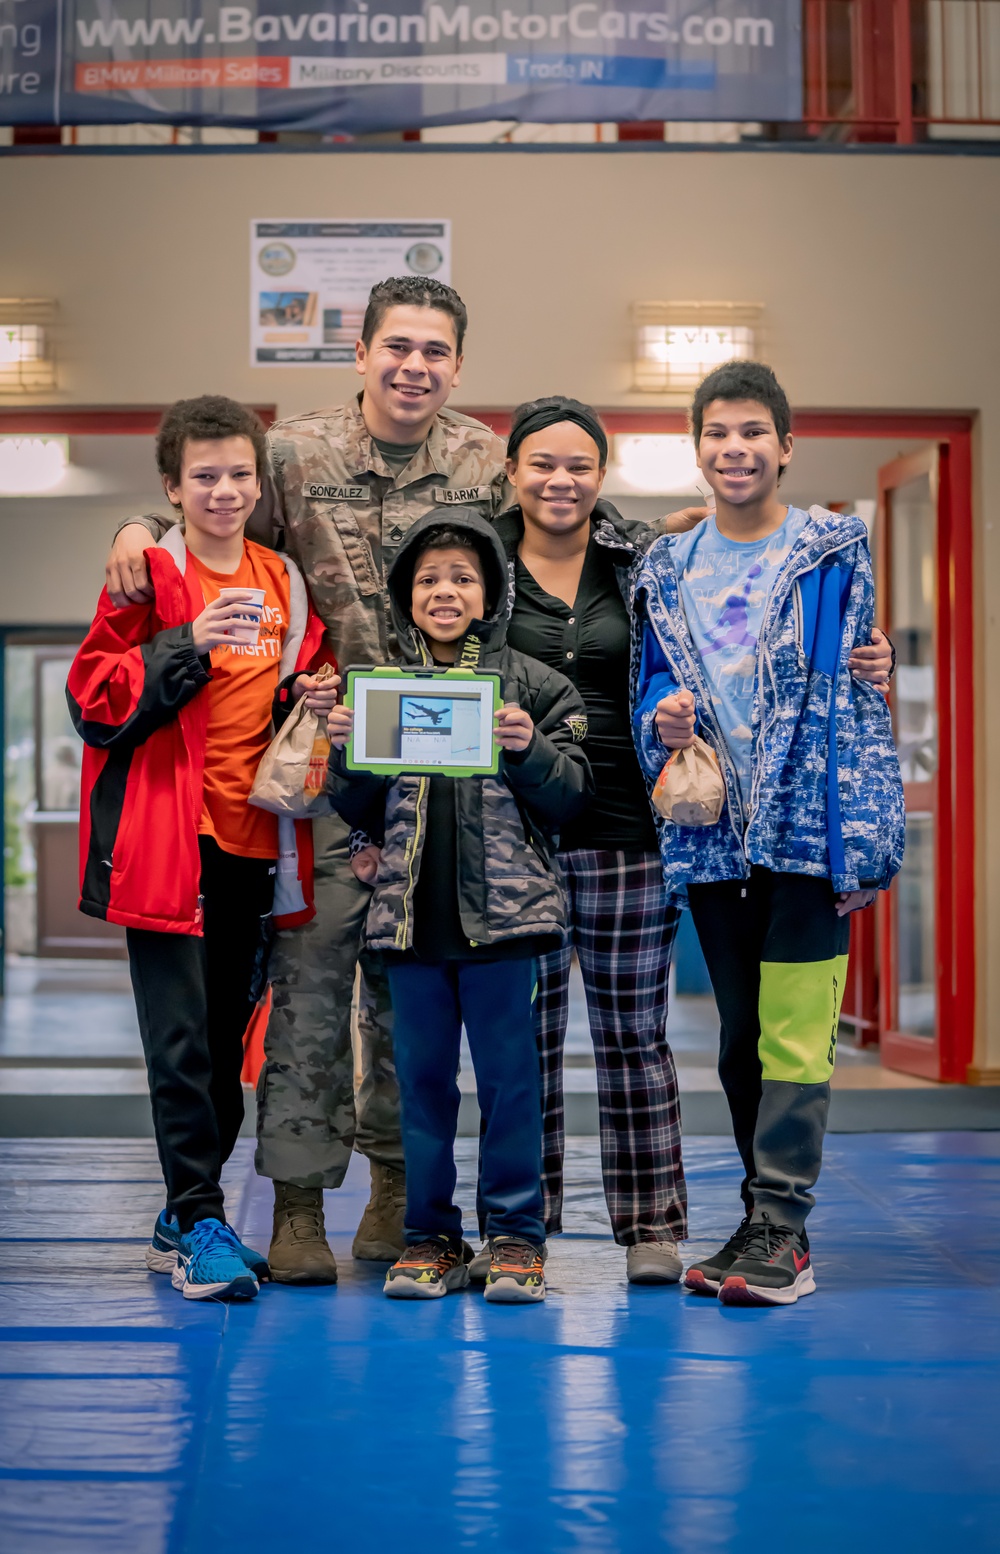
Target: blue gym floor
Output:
{"points": [[610, 1420]]}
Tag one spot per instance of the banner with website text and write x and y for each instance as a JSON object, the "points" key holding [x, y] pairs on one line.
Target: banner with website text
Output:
{"points": [[361, 66]]}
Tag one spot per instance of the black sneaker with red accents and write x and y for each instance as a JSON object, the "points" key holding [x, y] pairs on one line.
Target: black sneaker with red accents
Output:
{"points": [[706, 1276], [773, 1269]]}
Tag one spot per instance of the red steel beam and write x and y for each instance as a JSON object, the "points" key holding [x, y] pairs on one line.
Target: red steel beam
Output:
{"points": [[93, 421]]}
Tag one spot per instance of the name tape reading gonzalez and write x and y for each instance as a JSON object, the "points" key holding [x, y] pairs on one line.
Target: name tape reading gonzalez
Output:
{"points": [[339, 493]]}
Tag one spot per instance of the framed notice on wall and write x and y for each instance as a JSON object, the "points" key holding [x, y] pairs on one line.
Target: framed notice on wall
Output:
{"points": [[309, 282]]}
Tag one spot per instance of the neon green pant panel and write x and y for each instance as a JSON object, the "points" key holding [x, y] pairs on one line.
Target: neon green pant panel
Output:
{"points": [[799, 1010]]}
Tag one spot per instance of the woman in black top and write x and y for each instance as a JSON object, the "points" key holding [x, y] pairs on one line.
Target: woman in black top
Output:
{"points": [[572, 556]]}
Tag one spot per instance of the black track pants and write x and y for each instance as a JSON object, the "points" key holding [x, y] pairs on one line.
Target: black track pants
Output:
{"points": [[777, 956], [193, 998]]}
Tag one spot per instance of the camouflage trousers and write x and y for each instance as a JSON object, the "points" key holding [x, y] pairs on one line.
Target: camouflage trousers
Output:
{"points": [[308, 1116]]}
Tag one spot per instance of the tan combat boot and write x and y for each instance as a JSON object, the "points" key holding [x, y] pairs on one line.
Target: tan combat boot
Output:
{"points": [[300, 1252], [380, 1234]]}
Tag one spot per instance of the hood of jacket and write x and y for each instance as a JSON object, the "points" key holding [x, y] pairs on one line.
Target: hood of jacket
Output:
{"points": [[482, 538]]}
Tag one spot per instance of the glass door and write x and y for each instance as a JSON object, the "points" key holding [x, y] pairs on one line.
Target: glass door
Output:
{"points": [[43, 754], [920, 959]]}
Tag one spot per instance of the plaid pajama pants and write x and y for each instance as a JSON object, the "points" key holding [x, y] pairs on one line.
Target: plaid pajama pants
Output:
{"points": [[623, 933]]}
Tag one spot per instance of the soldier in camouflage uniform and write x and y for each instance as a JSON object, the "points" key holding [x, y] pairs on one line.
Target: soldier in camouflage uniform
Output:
{"points": [[347, 486]]}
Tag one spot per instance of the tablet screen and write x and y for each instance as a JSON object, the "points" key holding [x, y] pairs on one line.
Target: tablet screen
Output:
{"points": [[440, 722]]}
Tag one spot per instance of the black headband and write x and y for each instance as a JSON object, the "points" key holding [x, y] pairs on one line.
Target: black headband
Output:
{"points": [[551, 415]]}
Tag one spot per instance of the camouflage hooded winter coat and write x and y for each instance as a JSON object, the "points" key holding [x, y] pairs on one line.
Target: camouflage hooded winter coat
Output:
{"points": [[509, 886]]}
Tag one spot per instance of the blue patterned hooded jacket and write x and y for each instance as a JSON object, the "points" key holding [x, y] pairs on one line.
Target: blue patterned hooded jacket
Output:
{"points": [[807, 813]]}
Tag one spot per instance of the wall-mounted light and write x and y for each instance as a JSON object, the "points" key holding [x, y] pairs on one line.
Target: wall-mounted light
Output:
{"points": [[27, 365], [31, 466], [677, 343], [21, 343]]}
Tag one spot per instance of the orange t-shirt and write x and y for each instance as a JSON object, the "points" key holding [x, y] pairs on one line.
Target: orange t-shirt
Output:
{"points": [[242, 688]]}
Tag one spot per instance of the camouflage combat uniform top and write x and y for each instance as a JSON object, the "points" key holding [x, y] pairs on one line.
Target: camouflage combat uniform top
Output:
{"points": [[337, 508]]}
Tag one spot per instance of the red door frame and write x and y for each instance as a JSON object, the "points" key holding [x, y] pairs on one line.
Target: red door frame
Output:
{"points": [[910, 425], [950, 1055], [952, 791], [95, 420], [901, 1049]]}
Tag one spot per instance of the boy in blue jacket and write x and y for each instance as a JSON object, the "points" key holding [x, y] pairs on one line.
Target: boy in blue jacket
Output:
{"points": [[747, 630]]}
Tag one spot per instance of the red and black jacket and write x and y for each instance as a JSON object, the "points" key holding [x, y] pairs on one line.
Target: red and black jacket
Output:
{"points": [[133, 696]]}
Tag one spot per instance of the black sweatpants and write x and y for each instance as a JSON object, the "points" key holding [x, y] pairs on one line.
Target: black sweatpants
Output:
{"points": [[194, 999], [777, 955]]}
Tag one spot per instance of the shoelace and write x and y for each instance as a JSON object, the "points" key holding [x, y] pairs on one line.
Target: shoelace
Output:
{"points": [[764, 1239], [392, 1195], [739, 1235], [425, 1252], [208, 1235], [304, 1217], [521, 1253], [392, 1190]]}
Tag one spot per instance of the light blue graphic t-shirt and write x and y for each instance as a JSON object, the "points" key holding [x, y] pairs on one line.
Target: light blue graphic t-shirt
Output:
{"points": [[724, 589]]}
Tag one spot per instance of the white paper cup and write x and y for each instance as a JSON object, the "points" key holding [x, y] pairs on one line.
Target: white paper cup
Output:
{"points": [[245, 629]]}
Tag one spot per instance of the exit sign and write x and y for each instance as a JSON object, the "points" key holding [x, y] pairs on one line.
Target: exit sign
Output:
{"points": [[677, 343]]}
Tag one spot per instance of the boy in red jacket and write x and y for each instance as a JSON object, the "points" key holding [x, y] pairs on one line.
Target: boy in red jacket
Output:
{"points": [[173, 701]]}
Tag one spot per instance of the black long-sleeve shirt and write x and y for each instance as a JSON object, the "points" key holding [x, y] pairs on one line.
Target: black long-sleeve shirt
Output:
{"points": [[588, 642]]}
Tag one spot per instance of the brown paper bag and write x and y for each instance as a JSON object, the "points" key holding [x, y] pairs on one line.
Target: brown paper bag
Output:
{"points": [[691, 790], [291, 778]]}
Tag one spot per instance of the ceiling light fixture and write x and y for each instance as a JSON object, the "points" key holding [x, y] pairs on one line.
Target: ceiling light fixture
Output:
{"points": [[31, 466], [652, 464]]}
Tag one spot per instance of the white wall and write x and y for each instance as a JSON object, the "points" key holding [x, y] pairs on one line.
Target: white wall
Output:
{"points": [[877, 274]]}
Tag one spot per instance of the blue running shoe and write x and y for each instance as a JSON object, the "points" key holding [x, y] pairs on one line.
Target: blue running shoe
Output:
{"points": [[210, 1267], [163, 1250]]}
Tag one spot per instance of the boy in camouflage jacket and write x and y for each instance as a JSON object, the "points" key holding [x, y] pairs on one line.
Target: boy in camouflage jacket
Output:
{"points": [[467, 894]]}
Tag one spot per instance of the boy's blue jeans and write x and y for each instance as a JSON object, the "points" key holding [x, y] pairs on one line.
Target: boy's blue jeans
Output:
{"points": [[430, 1001]]}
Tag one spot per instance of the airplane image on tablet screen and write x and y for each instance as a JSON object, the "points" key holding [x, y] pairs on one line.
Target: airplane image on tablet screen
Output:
{"points": [[438, 729], [424, 723]]}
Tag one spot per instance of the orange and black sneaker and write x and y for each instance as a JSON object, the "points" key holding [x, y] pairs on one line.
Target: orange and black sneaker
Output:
{"points": [[517, 1271], [431, 1268]]}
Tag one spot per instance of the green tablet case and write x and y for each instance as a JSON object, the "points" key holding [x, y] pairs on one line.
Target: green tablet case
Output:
{"points": [[438, 679]]}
